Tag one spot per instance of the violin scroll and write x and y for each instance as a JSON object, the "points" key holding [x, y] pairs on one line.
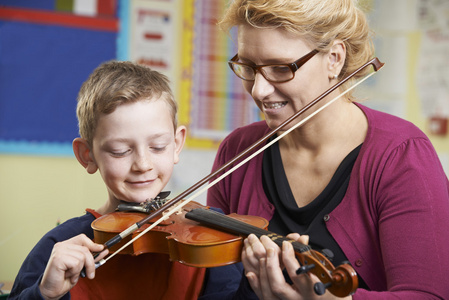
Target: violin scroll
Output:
{"points": [[344, 280], [341, 281]]}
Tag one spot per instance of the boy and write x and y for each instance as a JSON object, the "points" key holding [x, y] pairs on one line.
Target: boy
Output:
{"points": [[129, 133]]}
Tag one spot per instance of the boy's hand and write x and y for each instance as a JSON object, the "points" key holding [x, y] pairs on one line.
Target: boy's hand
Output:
{"points": [[66, 261]]}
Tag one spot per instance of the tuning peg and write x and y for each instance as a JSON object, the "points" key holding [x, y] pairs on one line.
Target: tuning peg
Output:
{"points": [[163, 194], [328, 254], [304, 269], [320, 288]]}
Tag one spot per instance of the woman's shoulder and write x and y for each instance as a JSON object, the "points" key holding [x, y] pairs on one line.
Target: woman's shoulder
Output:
{"points": [[389, 128], [393, 140]]}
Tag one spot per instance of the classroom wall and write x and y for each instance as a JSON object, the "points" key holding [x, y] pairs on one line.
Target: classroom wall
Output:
{"points": [[39, 190], [412, 38]]}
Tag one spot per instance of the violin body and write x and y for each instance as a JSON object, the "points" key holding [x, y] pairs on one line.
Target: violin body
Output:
{"points": [[182, 239]]}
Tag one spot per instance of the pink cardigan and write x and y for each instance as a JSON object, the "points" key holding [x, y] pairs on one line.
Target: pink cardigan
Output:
{"points": [[392, 224]]}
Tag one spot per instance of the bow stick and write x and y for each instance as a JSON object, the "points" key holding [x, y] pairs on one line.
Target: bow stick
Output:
{"points": [[377, 65]]}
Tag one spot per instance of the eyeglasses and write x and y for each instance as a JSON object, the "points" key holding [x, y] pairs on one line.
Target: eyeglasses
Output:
{"points": [[272, 73]]}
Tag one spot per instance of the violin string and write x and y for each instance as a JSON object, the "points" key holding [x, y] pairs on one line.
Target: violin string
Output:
{"points": [[211, 184]]}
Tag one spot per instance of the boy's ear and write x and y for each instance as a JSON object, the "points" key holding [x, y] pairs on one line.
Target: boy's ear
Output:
{"points": [[84, 155], [180, 138], [337, 57]]}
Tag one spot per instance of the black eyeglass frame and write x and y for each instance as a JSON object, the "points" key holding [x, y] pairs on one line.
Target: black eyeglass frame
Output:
{"points": [[294, 66]]}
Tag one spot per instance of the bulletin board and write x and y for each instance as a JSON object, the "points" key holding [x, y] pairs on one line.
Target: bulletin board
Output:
{"points": [[47, 50]]}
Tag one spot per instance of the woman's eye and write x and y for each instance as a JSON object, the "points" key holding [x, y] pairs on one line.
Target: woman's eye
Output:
{"points": [[280, 69]]}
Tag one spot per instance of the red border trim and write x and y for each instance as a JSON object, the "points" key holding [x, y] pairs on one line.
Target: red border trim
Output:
{"points": [[56, 18]]}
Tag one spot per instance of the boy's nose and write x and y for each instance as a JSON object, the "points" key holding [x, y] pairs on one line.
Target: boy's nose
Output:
{"points": [[261, 87], [143, 162]]}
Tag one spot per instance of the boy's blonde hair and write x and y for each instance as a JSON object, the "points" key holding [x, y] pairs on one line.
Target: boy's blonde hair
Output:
{"points": [[115, 83], [319, 22]]}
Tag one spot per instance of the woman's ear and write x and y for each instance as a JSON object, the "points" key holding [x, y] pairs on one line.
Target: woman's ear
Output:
{"points": [[84, 155], [180, 138], [337, 57]]}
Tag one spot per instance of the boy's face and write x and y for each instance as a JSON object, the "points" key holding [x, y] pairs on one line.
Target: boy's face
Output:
{"points": [[135, 149]]}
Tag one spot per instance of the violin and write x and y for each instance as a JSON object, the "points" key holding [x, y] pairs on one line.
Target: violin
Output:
{"points": [[184, 240], [200, 237]]}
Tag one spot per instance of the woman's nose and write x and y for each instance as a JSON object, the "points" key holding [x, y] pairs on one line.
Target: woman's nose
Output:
{"points": [[261, 87]]}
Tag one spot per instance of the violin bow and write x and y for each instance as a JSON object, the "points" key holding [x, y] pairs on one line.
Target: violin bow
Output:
{"points": [[377, 65]]}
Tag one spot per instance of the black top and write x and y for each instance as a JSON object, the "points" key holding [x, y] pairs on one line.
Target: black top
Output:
{"points": [[310, 219]]}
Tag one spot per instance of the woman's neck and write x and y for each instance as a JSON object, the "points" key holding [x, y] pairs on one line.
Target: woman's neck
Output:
{"points": [[340, 124]]}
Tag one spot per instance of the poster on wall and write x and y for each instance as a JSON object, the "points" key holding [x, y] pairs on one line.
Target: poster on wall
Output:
{"points": [[153, 36], [219, 103], [433, 74]]}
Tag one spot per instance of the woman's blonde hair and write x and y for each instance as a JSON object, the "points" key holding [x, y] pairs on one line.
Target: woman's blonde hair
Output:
{"points": [[115, 83], [319, 22]]}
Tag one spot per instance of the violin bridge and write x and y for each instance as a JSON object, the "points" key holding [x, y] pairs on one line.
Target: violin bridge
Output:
{"points": [[180, 209]]}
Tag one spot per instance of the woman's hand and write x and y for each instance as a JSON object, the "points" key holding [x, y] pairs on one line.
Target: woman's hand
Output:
{"points": [[66, 261], [264, 261]]}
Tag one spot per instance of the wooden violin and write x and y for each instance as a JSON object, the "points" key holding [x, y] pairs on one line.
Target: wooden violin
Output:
{"points": [[200, 237], [184, 240]]}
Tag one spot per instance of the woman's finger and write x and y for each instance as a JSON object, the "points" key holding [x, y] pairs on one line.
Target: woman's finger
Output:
{"points": [[249, 260], [302, 283]]}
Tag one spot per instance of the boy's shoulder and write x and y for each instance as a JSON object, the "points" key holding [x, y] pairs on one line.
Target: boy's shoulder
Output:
{"points": [[67, 230], [73, 227]]}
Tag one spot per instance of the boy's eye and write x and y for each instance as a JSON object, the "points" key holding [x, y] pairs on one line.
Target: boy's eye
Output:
{"points": [[158, 149], [119, 153]]}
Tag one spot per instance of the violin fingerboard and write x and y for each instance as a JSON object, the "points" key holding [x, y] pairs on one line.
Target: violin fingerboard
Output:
{"points": [[222, 222]]}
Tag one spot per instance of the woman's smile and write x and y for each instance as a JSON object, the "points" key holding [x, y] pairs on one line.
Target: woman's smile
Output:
{"points": [[274, 105]]}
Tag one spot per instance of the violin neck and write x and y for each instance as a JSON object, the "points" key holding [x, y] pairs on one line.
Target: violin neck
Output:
{"points": [[224, 223]]}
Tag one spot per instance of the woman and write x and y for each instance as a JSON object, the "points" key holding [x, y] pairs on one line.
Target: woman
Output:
{"points": [[364, 184]]}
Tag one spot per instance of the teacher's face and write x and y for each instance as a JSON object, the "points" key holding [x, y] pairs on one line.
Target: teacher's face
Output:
{"points": [[278, 101]]}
